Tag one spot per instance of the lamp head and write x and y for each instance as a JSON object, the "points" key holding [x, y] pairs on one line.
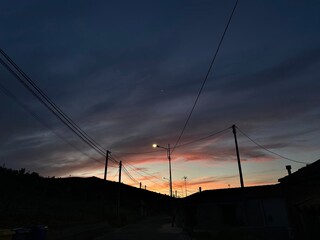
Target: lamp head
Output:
{"points": [[155, 145]]}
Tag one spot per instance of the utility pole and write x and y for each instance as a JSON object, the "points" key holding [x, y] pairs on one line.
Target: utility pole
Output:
{"points": [[169, 158], [185, 185], [106, 165], [120, 167], [140, 185], [238, 155], [119, 192]]}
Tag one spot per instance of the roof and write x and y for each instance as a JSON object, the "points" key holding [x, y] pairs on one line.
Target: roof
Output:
{"points": [[234, 194], [309, 172]]}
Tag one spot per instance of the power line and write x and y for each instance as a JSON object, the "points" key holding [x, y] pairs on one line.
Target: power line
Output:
{"points": [[117, 172], [136, 170], [264, 148], [133, 153], [49, 104], [206, 77], [178, 146], [203, 138], [46, 104], [113, 160], [188, 143], [46, 97], [38, 118], [125, 170], [130, 176]]}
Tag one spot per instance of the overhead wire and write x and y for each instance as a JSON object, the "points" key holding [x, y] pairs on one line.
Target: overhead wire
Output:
{"points": [[39, 119], [180, 145], [49, 104], [207, 75], [46, 97], [117, 172], [130, 176], [268, 150], [203, 138], [137, 171], [41, 100], [112, 163], [111, 158], [133, 153], [124, 169]]}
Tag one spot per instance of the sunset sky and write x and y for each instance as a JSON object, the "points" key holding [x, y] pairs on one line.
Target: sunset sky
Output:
{"points": [[128, 73]]}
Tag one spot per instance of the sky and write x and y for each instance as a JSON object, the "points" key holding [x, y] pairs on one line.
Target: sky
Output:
{"points": [[128, 73]]}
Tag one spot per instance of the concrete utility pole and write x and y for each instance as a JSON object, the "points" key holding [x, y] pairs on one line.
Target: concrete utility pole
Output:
{"points": [[169, 157], [120, 167], [119, 192], [106, 165], [238, 155]]}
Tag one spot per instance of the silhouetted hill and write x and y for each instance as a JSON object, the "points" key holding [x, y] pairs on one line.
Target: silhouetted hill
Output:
{"points": [[29, 199]]}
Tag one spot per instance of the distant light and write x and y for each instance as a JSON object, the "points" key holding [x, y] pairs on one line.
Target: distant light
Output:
{"points": [[154, 145]]}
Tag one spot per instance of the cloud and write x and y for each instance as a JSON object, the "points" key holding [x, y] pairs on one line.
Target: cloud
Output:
{"points": [[204, 180], [130, 82]]}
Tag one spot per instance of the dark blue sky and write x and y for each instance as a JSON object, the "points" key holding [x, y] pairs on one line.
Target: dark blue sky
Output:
{"points": [[128, 73]]}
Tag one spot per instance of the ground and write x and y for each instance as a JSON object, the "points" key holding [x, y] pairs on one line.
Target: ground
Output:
{"points": [[158, 227]]}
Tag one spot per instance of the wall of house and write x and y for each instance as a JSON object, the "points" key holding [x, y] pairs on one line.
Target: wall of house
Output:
{"points": [[275, 212], [253, 216]]}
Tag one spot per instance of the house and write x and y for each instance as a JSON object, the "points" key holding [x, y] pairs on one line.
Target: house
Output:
{"points": [[302, 194], [238, 213]]}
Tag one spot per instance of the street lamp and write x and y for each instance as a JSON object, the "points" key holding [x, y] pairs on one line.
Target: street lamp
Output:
{"points": [[169, 158]]}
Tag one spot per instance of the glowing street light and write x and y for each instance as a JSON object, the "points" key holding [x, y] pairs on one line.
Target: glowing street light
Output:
{"points": [[169, 158]]}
